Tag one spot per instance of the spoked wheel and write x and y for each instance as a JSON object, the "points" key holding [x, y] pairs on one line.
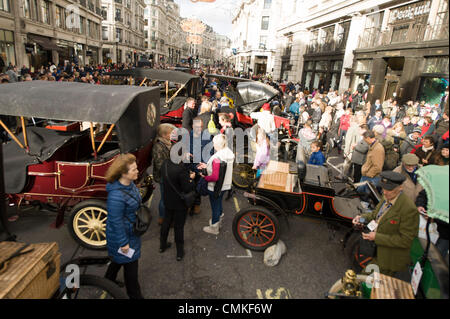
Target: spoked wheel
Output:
{"points": [[94, 287], [88, 224], [243, 175], [256, 228]]}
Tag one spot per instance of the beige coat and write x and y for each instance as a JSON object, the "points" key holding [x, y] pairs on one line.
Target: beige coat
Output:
{"points": [[374, 161], [409, 188]]}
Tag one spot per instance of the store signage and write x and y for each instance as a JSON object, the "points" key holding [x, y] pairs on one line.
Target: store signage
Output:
{"points": [[410, 12]]}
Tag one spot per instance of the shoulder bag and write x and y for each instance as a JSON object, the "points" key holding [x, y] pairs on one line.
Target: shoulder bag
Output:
{"points": [[143, 217]]}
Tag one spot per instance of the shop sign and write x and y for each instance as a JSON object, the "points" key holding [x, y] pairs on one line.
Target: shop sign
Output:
{"points": [[410, 12]]}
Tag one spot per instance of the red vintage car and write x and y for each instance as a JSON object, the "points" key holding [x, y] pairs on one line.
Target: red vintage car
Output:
{"points": [[55, 162]]}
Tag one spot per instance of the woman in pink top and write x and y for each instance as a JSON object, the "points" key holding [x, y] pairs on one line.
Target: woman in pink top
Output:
{"points": [[262, 157]]}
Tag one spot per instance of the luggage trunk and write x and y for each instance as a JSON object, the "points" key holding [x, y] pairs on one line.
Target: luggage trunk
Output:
{"points": [[34, 275]]}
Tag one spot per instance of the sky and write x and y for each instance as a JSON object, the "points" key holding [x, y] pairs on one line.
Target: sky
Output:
{"points": [[217, 14]]}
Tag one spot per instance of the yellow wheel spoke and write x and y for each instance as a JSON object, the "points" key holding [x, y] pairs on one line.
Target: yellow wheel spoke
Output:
{"points": [[84, 220]]}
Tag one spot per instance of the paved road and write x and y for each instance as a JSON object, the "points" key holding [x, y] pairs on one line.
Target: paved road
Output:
{"points": [[314, 259]]}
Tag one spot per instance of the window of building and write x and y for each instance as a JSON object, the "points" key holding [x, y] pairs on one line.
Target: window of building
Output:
{"points": [[105, 13], [439, 30], [60, 17], [27, 9], [118, 15], [263, 42], [267, 4], [436, 65], [105, 33], [82, 28], [45, 11], [119, 34], [265, 23], [364, 66], [342, 34], [7, 47], [4, 5]]}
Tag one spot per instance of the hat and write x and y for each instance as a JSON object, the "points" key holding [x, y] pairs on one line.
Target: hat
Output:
{"points": [[391, 180], [445, 144], [410, 159], [379, 129], [417, 130], [266, 107]]}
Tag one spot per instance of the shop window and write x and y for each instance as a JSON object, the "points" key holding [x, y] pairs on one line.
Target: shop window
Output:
{"points": [[432, 89], [7, 47]]}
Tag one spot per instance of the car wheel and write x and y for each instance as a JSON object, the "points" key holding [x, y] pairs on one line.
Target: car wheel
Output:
{"points": [[88, 224], [256, 228]]}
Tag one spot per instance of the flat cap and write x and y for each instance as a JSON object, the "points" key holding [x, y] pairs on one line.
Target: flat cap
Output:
{"points": [[417, 130], [391, 180], [410, 159]]}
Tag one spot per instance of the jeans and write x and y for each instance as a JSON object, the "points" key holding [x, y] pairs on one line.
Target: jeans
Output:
{"points": [[162, 209], [130, 273], [216, 206], [364, 189]]}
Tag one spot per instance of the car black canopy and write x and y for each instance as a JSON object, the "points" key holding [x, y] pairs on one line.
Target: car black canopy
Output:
{"points": [[188, 80], [133, 110]]}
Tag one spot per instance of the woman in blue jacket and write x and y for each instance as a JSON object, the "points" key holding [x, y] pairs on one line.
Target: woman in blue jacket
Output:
{"points": [[123, 201]]}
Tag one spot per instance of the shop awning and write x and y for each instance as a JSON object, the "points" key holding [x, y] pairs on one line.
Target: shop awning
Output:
{"points": [[44, 42]]}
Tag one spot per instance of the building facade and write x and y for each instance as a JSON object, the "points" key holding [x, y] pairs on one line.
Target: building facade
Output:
{"points": [[254, 35], [388, 48], [165, 39], [123, 34], [36, 32]]}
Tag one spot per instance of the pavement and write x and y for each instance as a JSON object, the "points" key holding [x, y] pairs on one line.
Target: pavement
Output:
{"points": [[215, 267]]}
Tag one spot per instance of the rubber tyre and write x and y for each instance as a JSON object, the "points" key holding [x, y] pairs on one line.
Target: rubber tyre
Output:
{"points": [[338, 286], [268, 221], [105, 284], [75, 231]]}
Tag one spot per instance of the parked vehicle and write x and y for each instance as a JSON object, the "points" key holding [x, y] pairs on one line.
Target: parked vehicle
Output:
{"points": [[285, 190], [175, 88], [62, 163]]}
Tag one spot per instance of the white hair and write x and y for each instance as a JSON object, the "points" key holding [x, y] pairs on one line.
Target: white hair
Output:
{"points": [[220, 141]]}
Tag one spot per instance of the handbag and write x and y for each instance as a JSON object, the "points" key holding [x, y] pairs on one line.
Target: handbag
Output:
{"points": [[143, 217], [187, 198]]}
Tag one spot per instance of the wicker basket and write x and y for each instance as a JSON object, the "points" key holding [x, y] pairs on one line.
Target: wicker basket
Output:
{"points": [[34, 275]]}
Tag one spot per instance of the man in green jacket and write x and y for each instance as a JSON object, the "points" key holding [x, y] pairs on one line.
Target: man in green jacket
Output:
{"points": [[394, 225]]}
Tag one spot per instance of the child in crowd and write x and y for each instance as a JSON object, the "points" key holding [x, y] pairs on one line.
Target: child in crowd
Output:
{"points": [[317, 157], [262, 157]]}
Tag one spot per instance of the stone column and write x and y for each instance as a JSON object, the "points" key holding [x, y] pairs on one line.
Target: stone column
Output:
{"points": [[356, 29], [409, 81], [377, 77], [19, 38]]}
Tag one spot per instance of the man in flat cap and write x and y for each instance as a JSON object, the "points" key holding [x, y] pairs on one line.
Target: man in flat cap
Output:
{"points": [[408, 168], [394, 225]]}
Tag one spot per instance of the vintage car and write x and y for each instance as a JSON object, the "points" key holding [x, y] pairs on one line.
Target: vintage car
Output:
{"points": [[175, 87], [285, 190], [61, 165]]}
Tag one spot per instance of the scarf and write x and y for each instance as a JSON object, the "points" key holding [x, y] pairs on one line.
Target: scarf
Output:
{"points": [[427, 149]]}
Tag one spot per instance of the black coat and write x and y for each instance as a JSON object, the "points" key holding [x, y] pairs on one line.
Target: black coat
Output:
{"points": [[188, 118], [178, 175]]}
